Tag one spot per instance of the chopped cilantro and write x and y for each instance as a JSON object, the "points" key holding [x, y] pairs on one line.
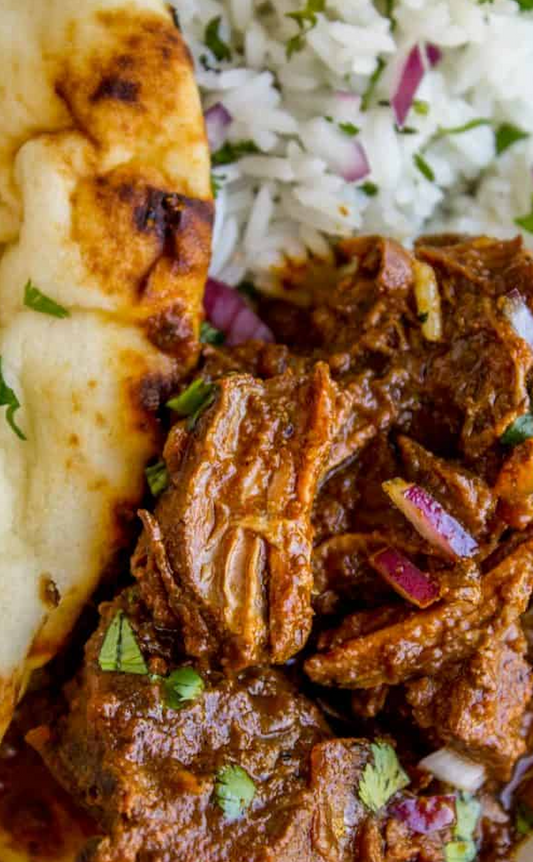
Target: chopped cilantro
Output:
{"points": [[369, 189], [405, 130], [525, 5], [421, 107], [518, 431], [382, 778], [232, 152], [306, 19], [214, 42], [507, 135], [193, 401], [175, 16], [216, 184], [234, 791], [349, 129], [524, 819], [423, 167], [443, 131], [120, 651], [463, 847], [9, 399], [210, 335], [248, 289], [389, 12], [157, 478], [525, 222], [37, 301], [372, 84], [182, 686]]}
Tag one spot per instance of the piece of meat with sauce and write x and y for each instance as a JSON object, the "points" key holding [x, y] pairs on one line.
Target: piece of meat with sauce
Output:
{"points": [[422, 642], [231, 539], [147, 771], [479, 706]]}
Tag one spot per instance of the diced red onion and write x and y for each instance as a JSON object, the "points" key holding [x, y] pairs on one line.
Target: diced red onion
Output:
{"points": [[517, 312], [355, 164], [425, 814], [348, 97], [449, 766], [412, 74], [524, 852], [430, 519], [405, 577], [217, 122], [433, 54], [228, 311], [410, 79]]}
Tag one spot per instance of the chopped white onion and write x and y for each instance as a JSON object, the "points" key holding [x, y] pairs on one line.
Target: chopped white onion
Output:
{"points": [[517, 312], [428, 301], [524, 852], [454, 769]]}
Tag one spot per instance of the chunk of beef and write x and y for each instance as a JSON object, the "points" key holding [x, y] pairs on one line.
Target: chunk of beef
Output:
{"points": [[476, 380], [461, 492], [479, 705], [423, 642], [514, 486], [231, 539], [147, 772]]}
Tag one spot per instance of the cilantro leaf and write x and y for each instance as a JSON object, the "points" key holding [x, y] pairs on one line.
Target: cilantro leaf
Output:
{"points": [[9, 399], [525, 5], [526, 221], [524, 819], [372, 84], [37, 301], [507, 135], [423, 167], [157, 478], [306, 19], [370, 189], [463, 847], [518, 431], [182, 686], [210, 335], [120, 651], [216, 184], [193, 401], [382, 778], [349, 129], [234, 791], [232, 152], [443, 131], [421, 107], [214, 42]]}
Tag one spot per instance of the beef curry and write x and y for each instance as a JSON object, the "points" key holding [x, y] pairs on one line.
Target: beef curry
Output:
{"points": [[325, 651]]}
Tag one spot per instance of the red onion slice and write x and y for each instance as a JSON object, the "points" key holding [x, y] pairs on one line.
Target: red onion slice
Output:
{"points": [[426, 814], [217, 122], [410, 78], [517, 312], [430, 519], [433, 54], [355, 164], [405, 578], [228, 311]]}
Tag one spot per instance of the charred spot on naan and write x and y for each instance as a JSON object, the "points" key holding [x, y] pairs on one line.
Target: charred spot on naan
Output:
{"points": [[140, 75]]}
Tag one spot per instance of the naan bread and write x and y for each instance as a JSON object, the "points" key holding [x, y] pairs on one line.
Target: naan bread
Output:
{"points": [[105, 205]]}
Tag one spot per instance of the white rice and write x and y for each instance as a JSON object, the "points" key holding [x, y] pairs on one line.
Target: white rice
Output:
{"points": [[289, 199]]}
